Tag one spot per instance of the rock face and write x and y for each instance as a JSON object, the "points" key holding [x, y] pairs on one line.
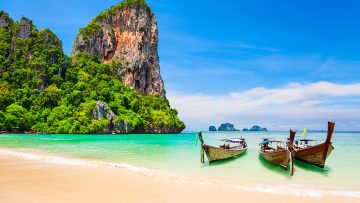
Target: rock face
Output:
{"points": [[255, 128], [212, 128], [123, 127], [227, 127], [102, 110], [126, 34], [24, 30], [4, 19]]}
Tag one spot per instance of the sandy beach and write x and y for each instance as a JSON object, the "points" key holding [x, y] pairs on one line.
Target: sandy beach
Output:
{"points": [[26, 180]]}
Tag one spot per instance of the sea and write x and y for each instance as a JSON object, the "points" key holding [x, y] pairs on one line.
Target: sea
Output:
{"points": [[177, 156]]}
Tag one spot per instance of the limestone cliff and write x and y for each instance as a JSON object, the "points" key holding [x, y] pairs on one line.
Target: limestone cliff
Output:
{"points": [[126, 34], [43, 90]]}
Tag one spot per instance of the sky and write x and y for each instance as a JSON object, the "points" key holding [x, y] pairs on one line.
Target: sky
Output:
{"points": [[278, 64]]}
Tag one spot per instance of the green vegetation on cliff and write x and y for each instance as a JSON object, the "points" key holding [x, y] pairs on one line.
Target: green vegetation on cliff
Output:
{"points": [[42, 89], [94, 27], [121, 7]]}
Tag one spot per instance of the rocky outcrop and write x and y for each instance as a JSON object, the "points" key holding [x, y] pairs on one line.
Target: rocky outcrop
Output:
{"points": [[102, 110], [163, 129], [127, 35], [24, 30], [227, 127], [123, 127], [4, 19], [255, 128], [212, 128]]}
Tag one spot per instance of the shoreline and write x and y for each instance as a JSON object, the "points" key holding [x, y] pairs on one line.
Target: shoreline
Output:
{"points": [[17, 166], [46, 133]]}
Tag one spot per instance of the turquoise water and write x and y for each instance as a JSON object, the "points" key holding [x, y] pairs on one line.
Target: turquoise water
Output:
{"points": [[179, 155]]}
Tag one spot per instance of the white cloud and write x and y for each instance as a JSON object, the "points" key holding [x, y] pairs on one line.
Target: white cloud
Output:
{"points": [[275, 107], [309, 103]]}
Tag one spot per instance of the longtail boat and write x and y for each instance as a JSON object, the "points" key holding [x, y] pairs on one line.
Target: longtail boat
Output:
{"points": [[231, 148], [276, 152], [304, 150], [31, 132]]}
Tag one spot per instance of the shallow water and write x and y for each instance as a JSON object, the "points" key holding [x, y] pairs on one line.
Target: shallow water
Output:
{"points": [[178, 154]]}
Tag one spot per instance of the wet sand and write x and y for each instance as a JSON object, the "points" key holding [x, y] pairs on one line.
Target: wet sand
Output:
{"points": [[26, 180]]}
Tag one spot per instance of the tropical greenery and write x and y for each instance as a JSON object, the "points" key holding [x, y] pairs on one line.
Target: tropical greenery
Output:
{"points": [[94, 28], [42, 89]]}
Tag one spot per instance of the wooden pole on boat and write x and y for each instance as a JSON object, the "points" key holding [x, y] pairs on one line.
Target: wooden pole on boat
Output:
{"points": [[331, 125], [291, 140], [291, 164], [202, 158], [291, 150], [200, 138]]}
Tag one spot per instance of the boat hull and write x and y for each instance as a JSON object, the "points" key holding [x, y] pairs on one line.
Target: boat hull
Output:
{"points": [[216, 154], [314, 155], [280, 157]]}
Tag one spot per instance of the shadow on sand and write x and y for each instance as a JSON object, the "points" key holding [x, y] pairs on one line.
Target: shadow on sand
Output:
{"points": [[309, 167], [274, 167]]}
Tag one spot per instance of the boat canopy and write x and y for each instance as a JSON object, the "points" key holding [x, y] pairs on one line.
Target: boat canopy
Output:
{"points": [[307, 140], [234, 140], [267, 140]]}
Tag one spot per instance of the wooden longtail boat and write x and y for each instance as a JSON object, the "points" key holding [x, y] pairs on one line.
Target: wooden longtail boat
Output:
{"points": [[225, 151], [277, 152], [314, 154], [31, 132]]}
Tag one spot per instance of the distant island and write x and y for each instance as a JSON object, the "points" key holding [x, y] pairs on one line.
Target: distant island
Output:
{"points": [[212, 128], [255, 128], [224, 127]]}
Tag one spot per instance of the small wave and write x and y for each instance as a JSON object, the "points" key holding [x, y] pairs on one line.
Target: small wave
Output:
{"points": [[80, 162], [92, 150], [292, 189], [57, 139]]}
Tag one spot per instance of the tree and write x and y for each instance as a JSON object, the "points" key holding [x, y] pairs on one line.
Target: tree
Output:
{"points": [[52, 95], [17, 117], [2, 120]]}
